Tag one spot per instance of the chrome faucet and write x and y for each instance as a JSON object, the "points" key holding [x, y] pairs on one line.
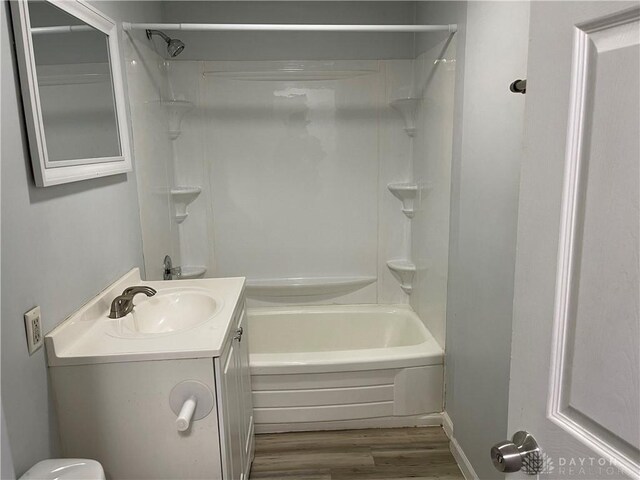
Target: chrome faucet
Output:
{"points": [[123, 304]]}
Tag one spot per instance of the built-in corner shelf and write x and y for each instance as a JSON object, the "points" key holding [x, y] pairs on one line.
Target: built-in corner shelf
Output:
{"points": [[176, 109], [408, 109], [407, 194], [404, 271], [192, 272], [183, 196]]}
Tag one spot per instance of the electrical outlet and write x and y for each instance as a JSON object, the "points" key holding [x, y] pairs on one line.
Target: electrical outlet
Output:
{"points": [[34, 329]]}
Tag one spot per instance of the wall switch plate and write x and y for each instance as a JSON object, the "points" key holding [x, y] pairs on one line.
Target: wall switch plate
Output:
{"points": [[33, 327]]}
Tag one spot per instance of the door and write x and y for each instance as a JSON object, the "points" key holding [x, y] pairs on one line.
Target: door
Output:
{"points": [[575, 349]]}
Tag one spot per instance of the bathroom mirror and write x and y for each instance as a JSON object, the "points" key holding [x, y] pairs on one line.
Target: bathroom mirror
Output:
{"points": [[72, 90]]}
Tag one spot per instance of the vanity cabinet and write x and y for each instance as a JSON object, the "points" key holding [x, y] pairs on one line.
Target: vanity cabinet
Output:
{"points": [[117, 410], [236, 406]]}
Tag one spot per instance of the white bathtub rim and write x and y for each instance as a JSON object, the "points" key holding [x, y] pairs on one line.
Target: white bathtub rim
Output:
{"points": [[424, 354], [360, 307], [429, 352]]}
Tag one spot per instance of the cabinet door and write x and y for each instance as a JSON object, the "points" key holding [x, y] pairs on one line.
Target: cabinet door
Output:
{"points": [[232, 413], [247, 401]]}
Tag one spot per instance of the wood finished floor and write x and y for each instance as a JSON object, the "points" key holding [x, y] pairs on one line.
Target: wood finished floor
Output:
{"points": [[375, 454]]}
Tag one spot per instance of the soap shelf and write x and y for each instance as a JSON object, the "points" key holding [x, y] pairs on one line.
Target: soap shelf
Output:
{"points": [[183, 196], [404, 271], [407, 194], [193, 271], [176, 110], [408, 108]]}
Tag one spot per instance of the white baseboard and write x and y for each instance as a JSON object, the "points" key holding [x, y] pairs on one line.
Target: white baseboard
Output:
{"points": [[463, 462], [456, 450], [447, 425]]}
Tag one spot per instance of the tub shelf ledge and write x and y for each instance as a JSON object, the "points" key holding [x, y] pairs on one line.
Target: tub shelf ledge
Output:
{"points": [[404, 271], [305, 286]]}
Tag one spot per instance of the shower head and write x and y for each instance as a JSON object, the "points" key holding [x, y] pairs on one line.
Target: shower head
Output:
{"points": [[174, 46]]}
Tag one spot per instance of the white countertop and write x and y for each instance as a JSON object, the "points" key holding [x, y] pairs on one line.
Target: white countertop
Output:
{"points": [[89, 336]]}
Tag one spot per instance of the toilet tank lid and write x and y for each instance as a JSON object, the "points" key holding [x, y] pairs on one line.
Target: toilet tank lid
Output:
{"points": [[65, 469]]}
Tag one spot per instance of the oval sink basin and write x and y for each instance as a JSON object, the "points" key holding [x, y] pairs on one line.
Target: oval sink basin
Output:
{"points": [[170, 312]]}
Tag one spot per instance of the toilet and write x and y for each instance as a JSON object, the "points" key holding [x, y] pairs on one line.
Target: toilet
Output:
{"points": [[65, 469]]}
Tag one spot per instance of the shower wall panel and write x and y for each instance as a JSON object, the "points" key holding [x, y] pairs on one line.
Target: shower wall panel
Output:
{"points": [[147, 83], [434, 81], [192, 166], [294, 161]]}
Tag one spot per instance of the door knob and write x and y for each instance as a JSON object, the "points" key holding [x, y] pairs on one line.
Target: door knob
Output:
{"points": [[521, 453]]}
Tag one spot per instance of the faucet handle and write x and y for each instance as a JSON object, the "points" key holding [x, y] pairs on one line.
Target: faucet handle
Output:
{"points": [[123, 304], [120, 306], [131, 291]]}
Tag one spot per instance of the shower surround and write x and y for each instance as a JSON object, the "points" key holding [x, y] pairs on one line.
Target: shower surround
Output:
{"points": [[297, 165], [293, 161]]}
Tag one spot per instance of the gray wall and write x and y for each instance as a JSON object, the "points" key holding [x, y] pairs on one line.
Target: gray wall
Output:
{"points": [[291, 45], [492, 52], [60, 246]]}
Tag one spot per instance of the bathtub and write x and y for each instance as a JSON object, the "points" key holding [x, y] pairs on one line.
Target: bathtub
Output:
{"points": [[334, 367]]}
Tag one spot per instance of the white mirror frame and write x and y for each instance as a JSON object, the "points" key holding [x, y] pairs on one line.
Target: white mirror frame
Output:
{"points": [[48, 173]]}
